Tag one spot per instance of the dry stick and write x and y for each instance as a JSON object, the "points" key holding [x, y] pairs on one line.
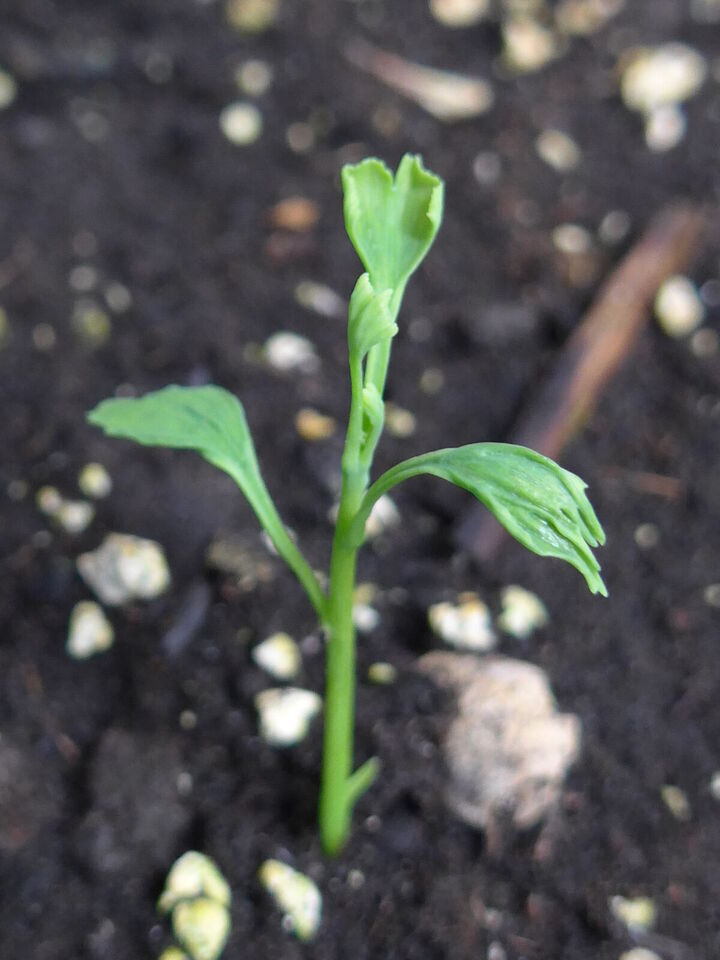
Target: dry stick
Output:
{"points": [[593, 353]]}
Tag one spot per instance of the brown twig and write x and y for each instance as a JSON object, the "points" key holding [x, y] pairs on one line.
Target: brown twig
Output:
{"points": [[594, 352]]}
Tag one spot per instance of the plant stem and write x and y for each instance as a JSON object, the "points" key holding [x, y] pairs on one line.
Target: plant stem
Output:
{"points": [[340, 787]]}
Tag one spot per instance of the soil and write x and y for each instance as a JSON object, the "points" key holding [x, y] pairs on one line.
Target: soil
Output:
{"points": [[111, 156]]}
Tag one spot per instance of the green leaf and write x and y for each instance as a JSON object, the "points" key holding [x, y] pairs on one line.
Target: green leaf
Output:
{"points": [[392, 223], [212, 422], [538, 502], [370, 321]]}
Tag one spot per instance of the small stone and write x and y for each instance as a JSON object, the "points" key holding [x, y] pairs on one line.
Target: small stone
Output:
{"points": [[279, 655], [83, 278], [94, 481], [656, 77], [640, 953], [49, 500], [241, 123], [637, 915], [459, 13], [677, 802], [381, 673], [522, 613], [194, 875], [314, 426], [508, 749], [8, 89], [4, 327], [527, 45], [704, 343], [711, 595], [89, 630], [202, 926], [300, 137], [287, 352], [466, 625], [432, 381], [558, 150], [487, 168], [496, 951], [254, 77], [118, 297], [678, 307], [321, 299], [286, 714], [125, 568], [173, 953], [715, 786], [647, 536], [91, 323], [252, 16], [614, 227], [44, 337], [384, 516], [297, 214], [664, 128], [399, 422], [572, 239], [582, 18], [296, 895], [365, 617], [75, 516]]}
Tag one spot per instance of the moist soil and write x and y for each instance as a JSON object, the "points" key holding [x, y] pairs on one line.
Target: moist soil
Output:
{"points": [[110, 768]]}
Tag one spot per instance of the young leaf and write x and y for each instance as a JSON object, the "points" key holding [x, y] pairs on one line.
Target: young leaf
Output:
{"points": [[538, 502], [391, 223], [369, 317], [212, 422]]}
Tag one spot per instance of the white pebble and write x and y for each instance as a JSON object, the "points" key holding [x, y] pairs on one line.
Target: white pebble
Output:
{"points": [[715, 786], [365, 617], [640, 953], [75, 516], [466, 625], [382, 673], [125, 568], [383, 516], [202, 926], [637, 915], [522, 612], [286, 714], [320, 298], [279, 655], [527, 45], [241, 123], [8, 89], [89, 630], [678, 307], [614, 227], [94, 481], [676, 800], [647, 536], [664, 128], [194, 875], [558, 150], [459, 13], [288, 351], [254, 77], [296, 895], [664, 75], [572, 239]]}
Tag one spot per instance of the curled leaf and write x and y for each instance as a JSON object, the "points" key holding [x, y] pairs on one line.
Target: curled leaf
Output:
{"points": [[538, 502], [369, 321]]}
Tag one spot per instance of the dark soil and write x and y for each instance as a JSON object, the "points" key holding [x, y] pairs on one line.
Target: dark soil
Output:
{"points": [[95, 801]]}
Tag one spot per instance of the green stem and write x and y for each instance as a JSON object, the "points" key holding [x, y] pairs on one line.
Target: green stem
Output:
{"points": [[340, 787]]}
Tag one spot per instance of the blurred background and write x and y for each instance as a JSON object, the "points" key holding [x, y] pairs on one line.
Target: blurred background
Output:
{"points": [[170, 211]]}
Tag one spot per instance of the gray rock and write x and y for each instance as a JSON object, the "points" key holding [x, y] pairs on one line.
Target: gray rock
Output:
{"points": [[508, 749]]}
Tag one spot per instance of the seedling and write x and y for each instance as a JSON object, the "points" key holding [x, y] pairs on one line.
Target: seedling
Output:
{"points": [[392, 223]]}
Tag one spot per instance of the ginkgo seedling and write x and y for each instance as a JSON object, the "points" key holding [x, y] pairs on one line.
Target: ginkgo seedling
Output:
{"points": [[392, 222]]}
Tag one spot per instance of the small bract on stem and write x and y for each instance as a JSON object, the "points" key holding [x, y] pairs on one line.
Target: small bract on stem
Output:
{"points": [[392, 222]]}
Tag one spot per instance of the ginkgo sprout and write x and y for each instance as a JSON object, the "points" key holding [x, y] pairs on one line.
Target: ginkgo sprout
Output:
{"points": [[392, 222]]}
